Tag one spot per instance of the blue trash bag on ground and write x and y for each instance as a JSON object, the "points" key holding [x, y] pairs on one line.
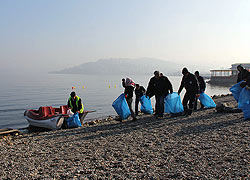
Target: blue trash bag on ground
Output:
{"points": [[121, 107], [173, 103], [207, 101], [236, 90], [74, 121], [244, 99], [146, 106]]}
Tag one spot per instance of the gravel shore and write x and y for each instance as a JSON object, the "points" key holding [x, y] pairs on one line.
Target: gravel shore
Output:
{"points": [[205, 145]]}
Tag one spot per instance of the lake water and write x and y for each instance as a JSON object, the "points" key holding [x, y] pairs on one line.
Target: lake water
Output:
{"points": [[18, 93]]}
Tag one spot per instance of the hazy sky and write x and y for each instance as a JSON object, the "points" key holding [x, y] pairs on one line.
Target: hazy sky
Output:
{"points": [[52, 34]]}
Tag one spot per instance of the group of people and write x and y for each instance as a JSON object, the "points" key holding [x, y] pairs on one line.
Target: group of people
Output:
{"points": [[160, 86]]}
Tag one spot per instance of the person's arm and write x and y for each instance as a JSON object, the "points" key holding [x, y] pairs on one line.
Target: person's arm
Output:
{"points": [[149, 88], [196, 85], [79, 105], [203, 84], [245, 74], [169, 85], [181, 86], [239, 77], [143, 89], [123, 83], [69, 105]]}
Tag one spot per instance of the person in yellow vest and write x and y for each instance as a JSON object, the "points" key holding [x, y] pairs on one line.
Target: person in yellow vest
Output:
{"points": [[75, 104]]}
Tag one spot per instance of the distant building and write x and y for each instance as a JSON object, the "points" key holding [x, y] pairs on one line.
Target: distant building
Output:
{"points": [[245, 65], [226, 76]]}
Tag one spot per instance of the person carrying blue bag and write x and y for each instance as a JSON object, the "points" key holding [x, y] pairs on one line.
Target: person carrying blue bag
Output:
{"points": [[139, 92], [75, 104], [202, 87], [159, 86], [129, 84], [244, 98], [190, 83], [243, 74]]}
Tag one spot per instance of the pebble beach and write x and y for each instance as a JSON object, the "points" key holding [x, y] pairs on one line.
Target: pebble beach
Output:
{"points": [[205, 145]]}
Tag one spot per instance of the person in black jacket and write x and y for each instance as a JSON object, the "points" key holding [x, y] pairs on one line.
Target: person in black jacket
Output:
{"points": [[202, 87], [246, 83], [128, 91], [243, 74], [139, 92], [190, 83], [159, 86]]}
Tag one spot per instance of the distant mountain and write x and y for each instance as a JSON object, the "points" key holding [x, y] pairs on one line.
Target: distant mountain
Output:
{"points": [[122, 66]]}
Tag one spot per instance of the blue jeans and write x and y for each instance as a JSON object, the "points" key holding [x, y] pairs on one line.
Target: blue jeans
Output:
{"points": [[159, 105]]}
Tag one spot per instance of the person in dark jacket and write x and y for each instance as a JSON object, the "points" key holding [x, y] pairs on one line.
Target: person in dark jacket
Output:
{"points": [[202, 87], [190, 83], [246, 83], [159, 86], [128, 91], [139, 92], [75, 104], [243, 74]]}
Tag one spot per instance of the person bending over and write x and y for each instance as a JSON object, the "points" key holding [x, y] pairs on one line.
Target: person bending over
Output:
{"points": [[75, 104], [128, 84]]}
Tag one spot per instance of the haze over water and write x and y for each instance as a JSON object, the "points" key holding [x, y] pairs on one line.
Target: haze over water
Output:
{"points": [[43, 35]]}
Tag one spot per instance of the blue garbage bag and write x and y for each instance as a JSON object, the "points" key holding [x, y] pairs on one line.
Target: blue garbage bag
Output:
{"points": [[173, 103], [121, 107], [236, 90], [244, 102], [146, 106], [74, 121], [246, 111], [207, 101], [244, 99]]}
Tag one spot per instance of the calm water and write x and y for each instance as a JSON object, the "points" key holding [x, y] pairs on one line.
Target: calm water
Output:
{"points": [[97, 92]]}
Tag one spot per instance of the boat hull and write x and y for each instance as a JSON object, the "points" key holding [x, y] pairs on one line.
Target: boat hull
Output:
{"points": [[53, 123]]}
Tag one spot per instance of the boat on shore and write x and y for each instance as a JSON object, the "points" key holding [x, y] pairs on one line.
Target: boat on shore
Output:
{"points": [[49, 117]]}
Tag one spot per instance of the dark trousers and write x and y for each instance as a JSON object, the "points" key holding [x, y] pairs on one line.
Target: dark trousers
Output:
{"points": [[137, 100], [159, 105], [129, 101], [188, 102], [195, 104]]}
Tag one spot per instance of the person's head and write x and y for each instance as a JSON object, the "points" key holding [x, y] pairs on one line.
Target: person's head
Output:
{"points": [[73, 94], [157, 74], [184, 71], [240, 68], [161, 74], [137, 86], [197, 74]]}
